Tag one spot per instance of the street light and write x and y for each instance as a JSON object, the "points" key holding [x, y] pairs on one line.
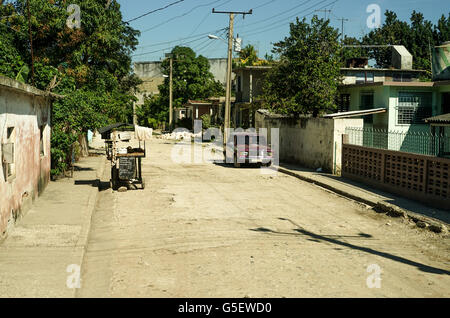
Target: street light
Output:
{"points": [[215, 37]]}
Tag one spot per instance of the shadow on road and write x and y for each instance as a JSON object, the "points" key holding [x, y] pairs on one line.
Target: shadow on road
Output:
{"points": [[334, 240], [101, 185], [243, 165]]}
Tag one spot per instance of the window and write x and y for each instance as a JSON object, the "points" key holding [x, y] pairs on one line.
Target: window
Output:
{"points": [[364, 77], [445, 103], [344, 103], [401, 77], [360, 78], [41, 140], [8, 154], [413, 107]]}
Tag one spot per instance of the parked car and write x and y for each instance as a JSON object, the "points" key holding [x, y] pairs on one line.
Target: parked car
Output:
{"points": [[248, 148]]}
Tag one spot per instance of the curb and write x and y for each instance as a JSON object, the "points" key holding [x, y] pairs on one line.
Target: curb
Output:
{"points": [[380, 206], [89, 210]]}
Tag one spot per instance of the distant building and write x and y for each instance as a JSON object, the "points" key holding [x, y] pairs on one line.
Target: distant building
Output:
{"points": [[152, 75], [248, 85]]}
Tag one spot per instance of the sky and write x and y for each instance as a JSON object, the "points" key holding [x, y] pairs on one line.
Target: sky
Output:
{"points": [[189, 22]]}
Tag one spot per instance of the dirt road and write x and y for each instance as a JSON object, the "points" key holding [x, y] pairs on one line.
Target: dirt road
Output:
{"points": [[211, 230]]}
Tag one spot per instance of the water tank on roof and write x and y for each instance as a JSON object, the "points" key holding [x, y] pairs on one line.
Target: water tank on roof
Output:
{"points": [[441, 62]]}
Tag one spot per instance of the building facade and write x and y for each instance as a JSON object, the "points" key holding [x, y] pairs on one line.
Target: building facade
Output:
{"points": [[24, 150], [407, 100]]}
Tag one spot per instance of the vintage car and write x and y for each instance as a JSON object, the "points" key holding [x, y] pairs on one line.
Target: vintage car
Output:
{"points": [[248, 148]]}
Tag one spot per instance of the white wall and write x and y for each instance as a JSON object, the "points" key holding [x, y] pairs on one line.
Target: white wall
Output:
{"points": [[310, 142]]}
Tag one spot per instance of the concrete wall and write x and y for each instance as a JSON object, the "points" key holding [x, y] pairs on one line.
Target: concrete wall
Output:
{"points": [[310, 142], [219, 69], [247, 93], [26, 109]]}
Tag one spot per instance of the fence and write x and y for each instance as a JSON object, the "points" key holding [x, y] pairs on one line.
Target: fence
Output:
{"points": [[423, 143], [418, 177]]}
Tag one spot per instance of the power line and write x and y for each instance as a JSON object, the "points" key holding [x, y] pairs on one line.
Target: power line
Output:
{"points": [[153, 11], [281, 23], [182, 39], [278, 14], [164, 49], [180, 16], [171, 47], [207, 15]]}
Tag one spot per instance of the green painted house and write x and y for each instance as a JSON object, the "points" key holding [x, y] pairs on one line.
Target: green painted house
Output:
{"points": [[407, 102]]}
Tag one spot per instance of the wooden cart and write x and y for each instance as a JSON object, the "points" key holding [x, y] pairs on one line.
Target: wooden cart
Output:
{"points": [[126, 162]]}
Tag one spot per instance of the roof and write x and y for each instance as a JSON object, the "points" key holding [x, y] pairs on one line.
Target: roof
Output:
{"points": [[111, 127], [441, 119], [356, 113], [12, 84], [391, 83], [199, 103], [373, 69], [252, 68]]}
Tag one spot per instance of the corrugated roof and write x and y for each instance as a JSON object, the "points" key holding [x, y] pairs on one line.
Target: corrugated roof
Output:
{"points": [[441, 119], [356, 113]]}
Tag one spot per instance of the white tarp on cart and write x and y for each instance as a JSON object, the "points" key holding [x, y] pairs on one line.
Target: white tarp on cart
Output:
{"points": [[143, 133]]}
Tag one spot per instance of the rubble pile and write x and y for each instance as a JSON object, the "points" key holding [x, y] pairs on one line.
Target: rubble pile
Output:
{"points": [[184, 135]]}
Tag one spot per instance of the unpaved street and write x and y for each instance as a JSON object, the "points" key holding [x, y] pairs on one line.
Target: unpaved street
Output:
{"points": [[211, 230]]}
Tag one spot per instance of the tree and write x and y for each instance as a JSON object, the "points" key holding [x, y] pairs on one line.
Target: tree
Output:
{"points": [[191, 77], [441, 31], [306, 78], [353, 52], [248, 55], [90, 65]]}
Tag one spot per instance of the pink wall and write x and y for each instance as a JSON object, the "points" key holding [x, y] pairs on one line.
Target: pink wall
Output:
{"points": [[26, 113]]}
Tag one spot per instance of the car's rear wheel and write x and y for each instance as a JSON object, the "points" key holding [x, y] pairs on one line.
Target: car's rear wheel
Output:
{"points": [[267, 164]]}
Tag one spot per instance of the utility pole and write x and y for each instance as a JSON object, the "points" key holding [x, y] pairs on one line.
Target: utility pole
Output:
{"points": [[171, 94], [170, 57], [135, 121], [31, 41], [227, 124], [325, 10], [342, 29]]}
